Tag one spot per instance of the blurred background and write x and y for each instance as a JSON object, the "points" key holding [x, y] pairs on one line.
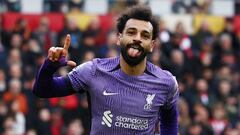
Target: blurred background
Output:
{"points": [[199, 42]]}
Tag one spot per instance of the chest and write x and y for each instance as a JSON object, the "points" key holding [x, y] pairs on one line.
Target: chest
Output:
{"points": [[130, 97]]}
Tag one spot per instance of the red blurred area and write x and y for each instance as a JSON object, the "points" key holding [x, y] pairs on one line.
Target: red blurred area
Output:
{"points": [[236, 24], [9, 20], [56, 20]]}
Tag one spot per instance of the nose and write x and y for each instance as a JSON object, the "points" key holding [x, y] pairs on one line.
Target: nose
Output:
{"points": [[137, 38]]}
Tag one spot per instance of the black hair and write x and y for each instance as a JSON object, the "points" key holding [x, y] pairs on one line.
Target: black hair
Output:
{"points": [[139, 12]]}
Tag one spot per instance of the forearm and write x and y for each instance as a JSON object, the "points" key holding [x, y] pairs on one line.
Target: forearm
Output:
{"points": [[47, 86], [169, 122]]}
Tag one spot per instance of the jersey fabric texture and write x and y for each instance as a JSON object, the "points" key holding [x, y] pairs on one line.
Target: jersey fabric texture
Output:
{"points": [[127, 105]]}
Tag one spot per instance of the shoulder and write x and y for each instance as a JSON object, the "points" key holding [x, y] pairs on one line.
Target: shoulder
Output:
{"points": [[106, 64], [160, 74], [84, 66]]}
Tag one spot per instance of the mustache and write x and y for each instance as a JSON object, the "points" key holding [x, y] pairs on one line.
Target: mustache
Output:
{"points": [[135, 45]]}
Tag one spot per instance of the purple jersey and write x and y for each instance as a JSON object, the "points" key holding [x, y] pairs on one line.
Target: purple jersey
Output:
{"points": [[122, 104]]}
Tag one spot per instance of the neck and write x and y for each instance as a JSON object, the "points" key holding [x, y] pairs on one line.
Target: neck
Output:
{"points": [[133, 70]]}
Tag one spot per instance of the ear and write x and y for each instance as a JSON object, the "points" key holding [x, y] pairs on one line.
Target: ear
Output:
{"points": [[153, 44], [119, 39]]}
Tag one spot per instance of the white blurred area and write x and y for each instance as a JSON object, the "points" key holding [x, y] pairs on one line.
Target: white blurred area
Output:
{"points": [[32, 6], [171, 12], [159, 7], [96, 6]]}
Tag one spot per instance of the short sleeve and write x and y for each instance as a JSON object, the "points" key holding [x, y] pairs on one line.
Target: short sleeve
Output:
{"points": [[81, 76], [173, 94], [169, 114]]}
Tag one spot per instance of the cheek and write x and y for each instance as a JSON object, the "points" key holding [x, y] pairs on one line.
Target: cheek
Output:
{"points": [[149, 46], [123, 41]]}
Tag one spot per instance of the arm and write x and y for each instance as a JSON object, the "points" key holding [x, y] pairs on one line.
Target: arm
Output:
{"points": [[47, 86], [169, 113]]}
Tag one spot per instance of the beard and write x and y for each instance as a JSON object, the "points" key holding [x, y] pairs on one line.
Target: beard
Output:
{"points": [[133, 61]]}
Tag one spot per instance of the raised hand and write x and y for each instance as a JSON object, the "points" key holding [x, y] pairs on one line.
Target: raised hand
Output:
{"points": [[56, 53]]}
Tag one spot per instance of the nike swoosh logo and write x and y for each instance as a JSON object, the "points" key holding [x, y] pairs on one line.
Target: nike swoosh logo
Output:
{"points": [[105, 93]]}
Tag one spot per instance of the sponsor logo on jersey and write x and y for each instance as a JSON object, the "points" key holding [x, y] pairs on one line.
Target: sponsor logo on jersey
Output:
{"points": [[107, 118], [124, 122]]}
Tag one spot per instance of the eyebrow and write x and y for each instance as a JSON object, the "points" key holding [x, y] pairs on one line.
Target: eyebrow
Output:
{"points": [[133, 28]]}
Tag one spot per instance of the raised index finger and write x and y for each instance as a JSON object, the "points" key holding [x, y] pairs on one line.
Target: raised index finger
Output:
{"points": [[67, 42]]}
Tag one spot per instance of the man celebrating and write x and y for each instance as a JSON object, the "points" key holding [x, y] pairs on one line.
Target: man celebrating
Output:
{"points": [[128, 94]]}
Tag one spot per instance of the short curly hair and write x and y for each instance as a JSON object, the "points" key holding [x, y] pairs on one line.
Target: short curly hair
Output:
{"points": [[139, 12]]}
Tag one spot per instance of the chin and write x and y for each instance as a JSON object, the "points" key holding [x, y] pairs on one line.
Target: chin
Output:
{"points": [[133, 61]]}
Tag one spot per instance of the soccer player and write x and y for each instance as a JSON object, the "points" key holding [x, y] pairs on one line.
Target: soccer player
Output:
{"points": [[128, 94]]}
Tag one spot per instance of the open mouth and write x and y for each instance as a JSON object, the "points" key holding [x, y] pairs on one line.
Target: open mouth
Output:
{"points": [[135, 51]]}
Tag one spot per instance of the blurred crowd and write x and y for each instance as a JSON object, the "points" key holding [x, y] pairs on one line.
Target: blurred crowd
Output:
{"points": [[206, 65]]}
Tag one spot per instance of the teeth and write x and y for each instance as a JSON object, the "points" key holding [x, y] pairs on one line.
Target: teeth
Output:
{"points": [[134, 47]]}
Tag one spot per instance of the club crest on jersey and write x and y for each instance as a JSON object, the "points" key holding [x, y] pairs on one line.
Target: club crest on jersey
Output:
{"points": [[149, 100]]}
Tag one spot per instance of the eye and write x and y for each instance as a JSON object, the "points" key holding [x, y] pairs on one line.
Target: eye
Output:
{"points": [[146, 36], [130, 32]]}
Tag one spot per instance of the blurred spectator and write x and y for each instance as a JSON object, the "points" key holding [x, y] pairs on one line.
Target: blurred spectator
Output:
{"points": [[8, 125], [15, 71], [22, 28], [185, 44], [195, 129], [19, 118], [45, 37], [187, 6], [224, 72], [92, 37], [178, 65], [112, 52], [201, 116], [76, 38], [3, 115], [44, 124], [226, 54], [110, 44], [32, 103], [83, 113], [15, 41], [202, 94], [55, 6], [231, 131], [14, 93], [75, 127], [184, 116], [69, 104], [31, 132], [3, 85], [76, 4], [13, 5], [3, 52], [232, 111], [224, 90], [202, 34], [164, 33], [219, 119], [156, 57], [208, 75], [206, 53], [56, 122], [31, 52], [88, 56], [14, 57]]}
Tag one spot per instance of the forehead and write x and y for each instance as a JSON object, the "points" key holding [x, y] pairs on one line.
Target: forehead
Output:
{"points": [[140, 25]]}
